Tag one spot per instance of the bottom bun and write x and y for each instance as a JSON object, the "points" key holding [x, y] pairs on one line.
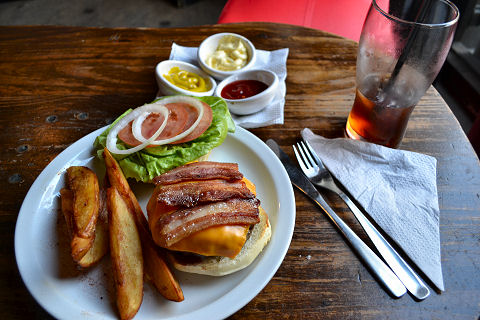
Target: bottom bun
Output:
{"points": [[257, 239], [204, 157]]}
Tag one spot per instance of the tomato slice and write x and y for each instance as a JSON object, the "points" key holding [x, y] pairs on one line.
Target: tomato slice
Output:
{"points": [[177, 120], [205, 122], [181, 117], [126, 136]]}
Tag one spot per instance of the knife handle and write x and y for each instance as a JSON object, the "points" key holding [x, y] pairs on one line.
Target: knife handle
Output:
{"points": [[376, 265]]}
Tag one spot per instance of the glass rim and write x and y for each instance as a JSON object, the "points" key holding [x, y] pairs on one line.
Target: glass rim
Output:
{"points": [[427, 25]]}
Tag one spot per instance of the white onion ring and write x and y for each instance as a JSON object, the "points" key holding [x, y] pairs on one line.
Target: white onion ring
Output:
{"points": [[137, 124], [140, 111], [138, 121]]}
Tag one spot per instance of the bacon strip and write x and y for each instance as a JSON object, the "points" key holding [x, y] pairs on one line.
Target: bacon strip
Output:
{"points": [[202, 170], [178, 225], [188, 194]]}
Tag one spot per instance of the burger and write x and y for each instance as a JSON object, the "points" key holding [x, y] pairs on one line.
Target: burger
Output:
{"points": [[208, 217], [205, 214]]}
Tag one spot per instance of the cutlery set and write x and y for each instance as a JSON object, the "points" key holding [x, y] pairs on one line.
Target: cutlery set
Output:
{"points": [[396, 275]]}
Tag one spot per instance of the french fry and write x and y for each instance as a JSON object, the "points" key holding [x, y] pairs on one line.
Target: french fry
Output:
{"points": [[156, 269], [84, 184], [85, 252], [126, 254]]}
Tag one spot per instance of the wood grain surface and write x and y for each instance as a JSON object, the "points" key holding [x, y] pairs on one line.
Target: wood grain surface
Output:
{"points": [[57, 84]]}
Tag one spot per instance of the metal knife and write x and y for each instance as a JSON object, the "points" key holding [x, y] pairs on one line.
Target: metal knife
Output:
{"points": [[376, 265]]}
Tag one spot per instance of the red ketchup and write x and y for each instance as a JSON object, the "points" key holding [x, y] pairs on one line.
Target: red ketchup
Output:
{"points": [[242, 89]]}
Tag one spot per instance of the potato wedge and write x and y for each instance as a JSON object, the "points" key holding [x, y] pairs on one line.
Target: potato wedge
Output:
{"points": [[117, 179], [66, 198], [156, 269], [84, 184], [85, 252], [101, 243], [126, 254], [78, 246], [99, 248]]}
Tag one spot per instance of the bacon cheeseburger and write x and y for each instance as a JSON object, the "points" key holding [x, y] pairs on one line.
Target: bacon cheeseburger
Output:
{"points": [[208, 216], [157, 137]]}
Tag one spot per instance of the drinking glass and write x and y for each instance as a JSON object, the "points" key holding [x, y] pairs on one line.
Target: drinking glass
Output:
{"points": [[403, 45]]}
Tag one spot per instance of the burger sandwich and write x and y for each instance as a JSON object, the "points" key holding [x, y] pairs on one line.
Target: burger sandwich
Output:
{"points": [[208, 217], [205, 213]]}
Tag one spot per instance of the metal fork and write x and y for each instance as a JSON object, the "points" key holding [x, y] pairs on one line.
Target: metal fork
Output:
{"points": [[316, 172]]}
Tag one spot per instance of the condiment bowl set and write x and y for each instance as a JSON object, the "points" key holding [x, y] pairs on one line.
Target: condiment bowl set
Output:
{"points": [[241, 106]]}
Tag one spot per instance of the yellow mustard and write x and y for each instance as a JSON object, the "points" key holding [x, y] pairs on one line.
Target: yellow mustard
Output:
{"points": [[231, 54], [187, 80]]}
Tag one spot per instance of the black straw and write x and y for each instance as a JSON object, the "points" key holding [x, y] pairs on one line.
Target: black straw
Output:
{"points": [[422, 13]]}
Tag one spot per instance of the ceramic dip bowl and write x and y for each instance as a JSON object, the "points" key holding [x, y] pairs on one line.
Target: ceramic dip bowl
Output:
{"points": [[210, 47], [167, 88], [249, 91]]}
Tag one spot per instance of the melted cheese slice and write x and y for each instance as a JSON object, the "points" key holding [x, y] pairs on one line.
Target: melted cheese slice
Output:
{"points": [[226, 241]]}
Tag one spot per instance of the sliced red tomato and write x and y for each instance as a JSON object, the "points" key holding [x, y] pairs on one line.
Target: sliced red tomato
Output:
{"points": [[126, 136], [177, 120], [205, 122], [181, 117], [175, 124]]}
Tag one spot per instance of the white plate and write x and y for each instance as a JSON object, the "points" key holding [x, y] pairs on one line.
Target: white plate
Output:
{"points": [[45, 265]]}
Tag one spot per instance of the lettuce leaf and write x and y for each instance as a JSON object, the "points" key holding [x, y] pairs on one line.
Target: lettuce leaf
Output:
{"points": [[151, 162]]}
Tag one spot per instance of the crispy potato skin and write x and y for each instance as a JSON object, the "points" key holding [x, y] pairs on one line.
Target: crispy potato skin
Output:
{"points": [[83, 183], [126, 254], [117, 180], [85, 251], [66, 198], [99, 248], [156, 268], [160, 274]]}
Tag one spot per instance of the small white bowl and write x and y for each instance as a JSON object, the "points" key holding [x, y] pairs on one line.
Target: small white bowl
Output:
{"points": [[168, 88], [254, 103], [210, 45]]}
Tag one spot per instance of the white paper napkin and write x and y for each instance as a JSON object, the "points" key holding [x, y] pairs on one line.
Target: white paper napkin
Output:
{"points": [[275, 61], [397, 188]]}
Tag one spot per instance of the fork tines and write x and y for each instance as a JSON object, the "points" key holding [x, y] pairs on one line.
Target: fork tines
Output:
{"points": [[307, 153], [299, 154]]}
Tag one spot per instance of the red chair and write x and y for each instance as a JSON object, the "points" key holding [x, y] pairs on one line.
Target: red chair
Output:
{"points": [[341, 17]]}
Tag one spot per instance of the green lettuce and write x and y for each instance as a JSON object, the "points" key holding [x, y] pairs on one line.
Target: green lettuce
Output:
{"points": [[148, 163]]}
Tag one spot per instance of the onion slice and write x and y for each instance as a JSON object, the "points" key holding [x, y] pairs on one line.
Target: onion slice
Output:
{"points": [[143, 112], [137, 123]]}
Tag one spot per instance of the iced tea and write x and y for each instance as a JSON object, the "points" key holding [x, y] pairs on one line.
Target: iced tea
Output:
{"points": [[376, 121], [402, 47]]}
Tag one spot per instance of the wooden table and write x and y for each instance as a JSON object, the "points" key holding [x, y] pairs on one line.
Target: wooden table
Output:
{"points": [[57, 84]]}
